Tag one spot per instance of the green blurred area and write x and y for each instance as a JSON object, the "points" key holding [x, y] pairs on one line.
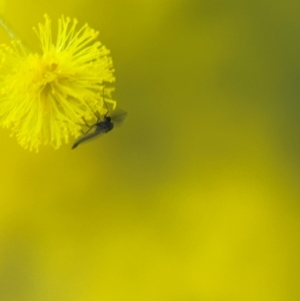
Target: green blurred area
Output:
{"points": [[196, 196]]}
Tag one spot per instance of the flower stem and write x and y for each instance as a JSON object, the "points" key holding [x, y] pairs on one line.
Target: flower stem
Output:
{"points": [[10, 32]]}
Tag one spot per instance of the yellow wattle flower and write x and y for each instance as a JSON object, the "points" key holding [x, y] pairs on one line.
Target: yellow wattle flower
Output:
{"points": [[44, 97]]}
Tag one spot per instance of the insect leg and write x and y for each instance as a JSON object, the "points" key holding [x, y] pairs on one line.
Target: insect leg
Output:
{"points": [[104, 101], [87, 125]]}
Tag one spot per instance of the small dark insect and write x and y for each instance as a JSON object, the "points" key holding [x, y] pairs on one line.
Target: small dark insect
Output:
{"points": [[100, 127]]}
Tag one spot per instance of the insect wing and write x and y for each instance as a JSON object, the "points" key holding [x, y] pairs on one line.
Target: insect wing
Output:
{"points": [[118, 117]]}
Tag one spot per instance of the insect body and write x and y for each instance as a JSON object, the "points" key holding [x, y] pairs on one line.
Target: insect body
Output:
{"points": [[100, 127]]}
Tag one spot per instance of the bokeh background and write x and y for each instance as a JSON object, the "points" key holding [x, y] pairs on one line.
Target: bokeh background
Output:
{"points": [[196, 197]]}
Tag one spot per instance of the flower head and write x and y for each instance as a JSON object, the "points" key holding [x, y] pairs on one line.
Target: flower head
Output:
{"points": [[44, 97]]}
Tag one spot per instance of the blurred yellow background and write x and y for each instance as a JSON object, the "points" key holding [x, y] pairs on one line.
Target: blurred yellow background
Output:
{"points": [[196, 196]]}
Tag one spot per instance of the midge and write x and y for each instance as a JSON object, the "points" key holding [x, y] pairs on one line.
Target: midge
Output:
{"points": [[100, 127]]}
